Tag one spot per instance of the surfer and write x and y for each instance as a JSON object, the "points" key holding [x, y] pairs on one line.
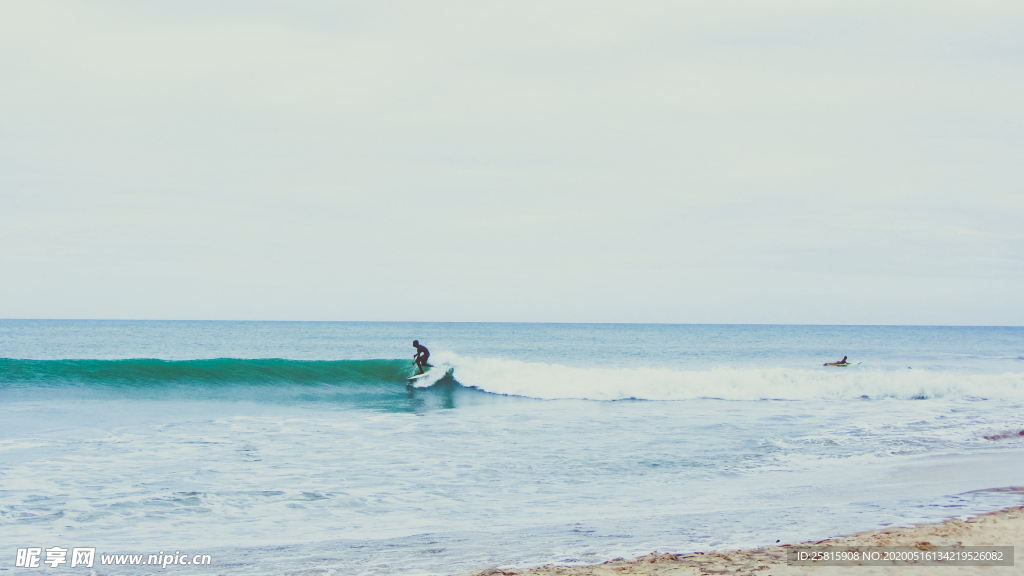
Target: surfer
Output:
{"points": [[422, 355], [840, 363]]}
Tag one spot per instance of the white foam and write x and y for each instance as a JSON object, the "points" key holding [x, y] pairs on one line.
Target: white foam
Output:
{"points": [[554, 381], [439, 371]]}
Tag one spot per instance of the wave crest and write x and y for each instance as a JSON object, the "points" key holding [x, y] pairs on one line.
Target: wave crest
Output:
{"points": [[553, 381], [517, 378], [219, 371]]}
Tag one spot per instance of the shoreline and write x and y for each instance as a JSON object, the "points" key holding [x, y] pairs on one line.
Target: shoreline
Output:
{"points": [[1004, 527]]}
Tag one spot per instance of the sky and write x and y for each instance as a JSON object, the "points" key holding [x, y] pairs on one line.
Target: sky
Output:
{"points": [[847, 162]]}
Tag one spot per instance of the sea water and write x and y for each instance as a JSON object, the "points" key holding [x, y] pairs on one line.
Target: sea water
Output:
{"points": [[291, 447]]}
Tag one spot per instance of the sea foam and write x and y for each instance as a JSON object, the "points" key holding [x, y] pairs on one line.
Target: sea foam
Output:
{"points": [[554, 381]]}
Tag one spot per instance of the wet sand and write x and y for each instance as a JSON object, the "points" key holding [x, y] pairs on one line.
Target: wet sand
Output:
{"points": [[1001, 528]]}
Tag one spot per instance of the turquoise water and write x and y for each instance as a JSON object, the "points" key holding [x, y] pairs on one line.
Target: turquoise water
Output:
{"points": [[289, 446]]}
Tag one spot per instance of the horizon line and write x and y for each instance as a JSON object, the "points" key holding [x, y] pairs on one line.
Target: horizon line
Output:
{"points": [[507, 322]]}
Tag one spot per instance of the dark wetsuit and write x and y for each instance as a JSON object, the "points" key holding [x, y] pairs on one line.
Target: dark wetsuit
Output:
{"points": [[422, 356]]}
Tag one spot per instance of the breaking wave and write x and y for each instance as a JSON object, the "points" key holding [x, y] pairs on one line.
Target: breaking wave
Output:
{"points": [[143, 372], [513, 378], [553, 381]]}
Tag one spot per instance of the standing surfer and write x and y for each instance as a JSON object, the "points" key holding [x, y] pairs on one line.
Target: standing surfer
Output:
{"points": [[422, 355]]}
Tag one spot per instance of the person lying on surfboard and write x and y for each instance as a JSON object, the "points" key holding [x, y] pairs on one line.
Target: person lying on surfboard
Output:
{"points": [[840, 363], [422, 355]]}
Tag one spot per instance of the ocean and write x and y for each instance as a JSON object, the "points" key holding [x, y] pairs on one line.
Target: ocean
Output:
{"points": [[297, 447]]}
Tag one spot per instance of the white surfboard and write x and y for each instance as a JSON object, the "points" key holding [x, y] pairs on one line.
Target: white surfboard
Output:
{"points": [[418, 376]]}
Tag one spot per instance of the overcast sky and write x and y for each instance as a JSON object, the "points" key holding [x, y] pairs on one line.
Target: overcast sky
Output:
{"points": [[712, 162]]}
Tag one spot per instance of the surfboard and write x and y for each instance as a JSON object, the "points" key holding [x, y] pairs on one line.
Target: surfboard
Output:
{"points": [[845, 364], [418, 376]]}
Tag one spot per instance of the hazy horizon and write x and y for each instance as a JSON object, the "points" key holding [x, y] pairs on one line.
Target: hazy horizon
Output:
{"points": [[257, 320]]}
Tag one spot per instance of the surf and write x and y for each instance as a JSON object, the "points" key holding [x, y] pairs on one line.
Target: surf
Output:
{"points": [[268, 378], [148, 372], [555, 381]]}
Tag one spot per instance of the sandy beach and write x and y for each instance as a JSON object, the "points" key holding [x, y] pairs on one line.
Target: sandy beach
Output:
{"points": [[1000, 528]]}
